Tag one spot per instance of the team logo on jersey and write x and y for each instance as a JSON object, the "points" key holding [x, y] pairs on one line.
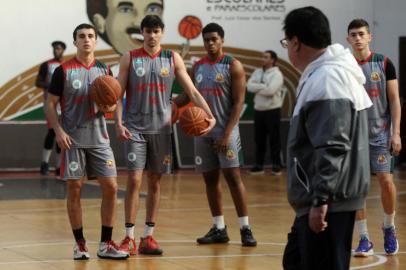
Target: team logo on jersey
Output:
{"points": [[140, 71], [131, 157], [230, 154], [167, 160], [110, 163], [73, 166], [219, 78], [76, 84], [199, 77], [198, 160], [375, 76], [164, 72], [382, 159]]}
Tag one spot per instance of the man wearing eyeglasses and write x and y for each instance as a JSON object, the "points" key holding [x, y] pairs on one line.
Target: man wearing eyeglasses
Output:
{"points": [[328, 165]]}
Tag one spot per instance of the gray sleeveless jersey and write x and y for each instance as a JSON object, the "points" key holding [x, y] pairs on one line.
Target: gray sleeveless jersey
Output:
{"points": [[213, 80], [80, 117], [379, 119], [148, 91]]}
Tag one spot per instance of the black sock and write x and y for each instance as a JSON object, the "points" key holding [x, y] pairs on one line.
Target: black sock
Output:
{"points": [[150, 224], [106, 233], [78, 234], [129, 225]]}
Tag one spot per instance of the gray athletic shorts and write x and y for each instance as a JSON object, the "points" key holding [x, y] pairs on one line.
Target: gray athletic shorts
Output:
{"points": [[208, 159], [152, 152], [381, 158], [94, 162]]}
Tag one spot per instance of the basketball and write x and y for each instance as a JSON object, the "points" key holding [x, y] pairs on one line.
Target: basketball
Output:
{"points": [[105, 90], [193, 121], [190, 27], [175, 113]]}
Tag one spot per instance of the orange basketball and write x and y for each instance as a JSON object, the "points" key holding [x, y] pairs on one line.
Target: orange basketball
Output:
{"points": [[105, 90], [190, 27], [193, 121], [175, 113]]}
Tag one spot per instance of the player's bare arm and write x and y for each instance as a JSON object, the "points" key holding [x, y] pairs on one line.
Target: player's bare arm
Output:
{"points": [[63, 139], [238, 84], [193, 94], [121, 131], [395, 110]]}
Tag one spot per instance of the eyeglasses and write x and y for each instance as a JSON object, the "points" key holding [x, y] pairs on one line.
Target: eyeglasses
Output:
{"points": [[284, 43]]}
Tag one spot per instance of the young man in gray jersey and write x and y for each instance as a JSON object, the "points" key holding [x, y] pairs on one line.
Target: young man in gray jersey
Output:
{"points": [[83, 138], [220, 78], [147, 75], [384, 132]]}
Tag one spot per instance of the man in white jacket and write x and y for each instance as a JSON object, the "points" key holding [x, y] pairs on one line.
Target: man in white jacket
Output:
{"points": [[267, 85]]}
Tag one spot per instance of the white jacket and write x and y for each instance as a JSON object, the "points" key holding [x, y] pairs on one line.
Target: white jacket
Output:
{"points": [[268, 88]]}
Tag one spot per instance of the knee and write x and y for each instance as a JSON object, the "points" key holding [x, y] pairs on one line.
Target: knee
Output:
{"points": [[74, 189], [386, 183], [154, 186]]}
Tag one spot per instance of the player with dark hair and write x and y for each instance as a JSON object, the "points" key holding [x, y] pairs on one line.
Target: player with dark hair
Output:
{"points": [[147, 74], [384, 132], [82, 135], [43, 80]]}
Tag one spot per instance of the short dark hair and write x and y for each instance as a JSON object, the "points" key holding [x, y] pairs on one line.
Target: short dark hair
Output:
{"points": [[309, 25], [273, 54], [58, 43], [213, 27], [84, 26], [152, 21], [357, 23]]}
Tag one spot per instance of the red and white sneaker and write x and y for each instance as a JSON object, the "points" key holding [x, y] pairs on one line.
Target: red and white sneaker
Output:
{"points": [[128, 245], [80, 251], [110, 250], [149, 246]]}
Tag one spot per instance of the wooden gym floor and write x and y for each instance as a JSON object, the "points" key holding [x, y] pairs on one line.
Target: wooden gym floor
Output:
{"points": [[35, 233]]}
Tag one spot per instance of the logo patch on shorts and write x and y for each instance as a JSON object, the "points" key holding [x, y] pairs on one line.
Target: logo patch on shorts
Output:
{"points": [[110, 164], [76, 84], [131, 156], [375, 76], [167, 160], [73, 166], [230, 154], [382, 159], [198, 160]]}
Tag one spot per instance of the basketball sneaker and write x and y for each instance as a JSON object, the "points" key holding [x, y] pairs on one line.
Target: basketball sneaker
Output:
{"points": [[247, 239], [128, 245], [44, 170], [110, 250], [390, 243], [214, 236], [149, 246], [80, 251], [365, 248], [256, 170]]}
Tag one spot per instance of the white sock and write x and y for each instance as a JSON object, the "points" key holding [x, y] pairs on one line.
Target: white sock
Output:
{"points": [[388, 220], [243, 222], [46, 154], [148, 230], [129, 231], [218, 221], [361, 226]]}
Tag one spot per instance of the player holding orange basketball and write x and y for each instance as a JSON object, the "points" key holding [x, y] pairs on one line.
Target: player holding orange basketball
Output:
{"points": [[82, 135], [147, 75], [220, 78]]}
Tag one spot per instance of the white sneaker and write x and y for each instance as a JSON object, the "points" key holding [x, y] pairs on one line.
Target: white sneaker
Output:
{"points": [[110, 250], [80, 251]]}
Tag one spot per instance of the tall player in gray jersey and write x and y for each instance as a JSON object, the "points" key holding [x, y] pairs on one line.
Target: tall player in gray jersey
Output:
{"points": [[82, 136], [220, 78], [147, 75], [384, 132]]}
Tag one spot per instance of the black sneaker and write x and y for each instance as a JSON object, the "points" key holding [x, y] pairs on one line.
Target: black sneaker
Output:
{"points": [[247, 239], [214, 236], [257, 170], [44, 170]]}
